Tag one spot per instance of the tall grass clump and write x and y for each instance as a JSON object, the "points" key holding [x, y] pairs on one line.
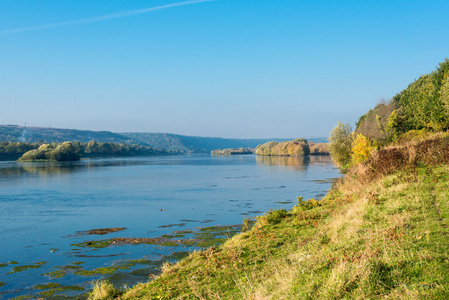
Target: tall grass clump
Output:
{"points": [[103, 290]]}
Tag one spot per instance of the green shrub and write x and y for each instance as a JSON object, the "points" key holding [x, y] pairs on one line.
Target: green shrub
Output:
{"points": [[307, 204], [275, 216], [247, 223], [62, 152], [340, 144], [414, 135]]}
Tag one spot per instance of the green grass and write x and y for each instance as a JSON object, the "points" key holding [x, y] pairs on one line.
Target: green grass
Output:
{"points": [[383, 239]]}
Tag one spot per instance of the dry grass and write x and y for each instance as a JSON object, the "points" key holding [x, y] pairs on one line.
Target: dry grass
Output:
{"points": [[103, 290]]}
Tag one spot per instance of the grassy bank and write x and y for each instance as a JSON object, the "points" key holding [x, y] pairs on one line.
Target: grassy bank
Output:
{"points": [[386, 237]]}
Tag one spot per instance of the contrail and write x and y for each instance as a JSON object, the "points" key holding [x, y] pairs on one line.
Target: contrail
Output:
{"points": [[123, 14]]}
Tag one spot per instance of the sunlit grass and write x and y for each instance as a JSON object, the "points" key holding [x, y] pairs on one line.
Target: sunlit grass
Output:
{"points": [[385, 239]]}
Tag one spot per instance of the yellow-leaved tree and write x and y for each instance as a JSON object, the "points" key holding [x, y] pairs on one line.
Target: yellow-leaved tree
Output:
{"points": [[361, 148]]}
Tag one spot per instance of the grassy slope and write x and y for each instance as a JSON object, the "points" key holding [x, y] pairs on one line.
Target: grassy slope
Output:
{"points": [[386, 238]]}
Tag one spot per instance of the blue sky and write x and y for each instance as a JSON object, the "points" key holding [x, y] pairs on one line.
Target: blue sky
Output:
{"points": [[227, 68]]}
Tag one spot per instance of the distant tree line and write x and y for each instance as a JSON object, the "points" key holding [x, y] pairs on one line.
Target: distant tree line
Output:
{"points": [[70, 150], [93, 149], [14, 150]]}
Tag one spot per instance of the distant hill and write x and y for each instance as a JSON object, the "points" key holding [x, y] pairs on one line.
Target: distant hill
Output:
{"points": [[165, 141], [14, 133]]}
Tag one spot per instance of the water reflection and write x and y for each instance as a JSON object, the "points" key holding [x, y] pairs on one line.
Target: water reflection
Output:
{"points": [[287, 161], [298, 163], [320, 159], [40, 168], [8, 169], [14, 169]]}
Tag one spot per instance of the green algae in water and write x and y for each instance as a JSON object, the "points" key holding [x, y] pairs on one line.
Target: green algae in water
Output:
{"points": [[77, 263], [2, 283], [98, 271], [22, 297], [55, 274], [204, 236], [172, 225], [94, 244], [188, 243], [218, 228], [13, 262], [167, 236], [101, 231], [23, 268], [126, 264], [53, 288], [169, 244], [182, 231], [68, 267], [3, 265], [63, 270], [50, 285]]}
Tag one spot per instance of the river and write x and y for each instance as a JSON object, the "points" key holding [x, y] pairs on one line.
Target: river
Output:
{"points": [[162, 208]]}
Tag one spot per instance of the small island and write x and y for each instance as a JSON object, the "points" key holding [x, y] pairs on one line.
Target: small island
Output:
{"points": [[297, 147], [232, 151]]}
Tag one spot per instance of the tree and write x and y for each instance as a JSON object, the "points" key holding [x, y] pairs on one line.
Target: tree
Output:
{"points": [[340, 144], [361, 149]]}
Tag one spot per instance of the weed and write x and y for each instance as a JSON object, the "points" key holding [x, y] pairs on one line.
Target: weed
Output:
{"points": [[103, 290]]}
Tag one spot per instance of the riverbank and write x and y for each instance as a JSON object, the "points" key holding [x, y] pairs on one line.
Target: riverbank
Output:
{"points": [[382, 237]]}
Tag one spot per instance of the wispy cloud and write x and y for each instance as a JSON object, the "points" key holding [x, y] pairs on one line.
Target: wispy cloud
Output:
{"points": [[118, 15]]}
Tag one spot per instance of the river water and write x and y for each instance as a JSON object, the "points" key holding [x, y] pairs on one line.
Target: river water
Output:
{"points": [[47, 209]]}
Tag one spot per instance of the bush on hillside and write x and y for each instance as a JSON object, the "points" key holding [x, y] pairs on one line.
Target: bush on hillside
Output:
{"points": [[340, 144], [414, 135], [432, 150], [361, 149]]}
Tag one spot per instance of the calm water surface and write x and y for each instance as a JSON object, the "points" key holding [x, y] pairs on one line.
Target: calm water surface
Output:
{"points": [[44, 207]]}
